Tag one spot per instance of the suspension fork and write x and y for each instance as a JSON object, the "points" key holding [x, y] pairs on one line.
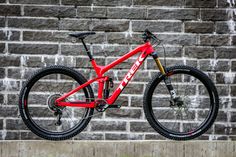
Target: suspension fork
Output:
{"points": [[163, 71]]}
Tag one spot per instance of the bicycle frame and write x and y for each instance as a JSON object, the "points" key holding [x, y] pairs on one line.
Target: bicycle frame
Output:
{"points": [[145, 50]]}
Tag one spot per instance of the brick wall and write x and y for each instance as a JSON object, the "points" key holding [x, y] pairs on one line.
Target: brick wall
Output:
{"points": [[33, 34]]}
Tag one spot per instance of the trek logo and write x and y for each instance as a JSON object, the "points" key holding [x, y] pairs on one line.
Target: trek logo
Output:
{"points": [[131, 72]]}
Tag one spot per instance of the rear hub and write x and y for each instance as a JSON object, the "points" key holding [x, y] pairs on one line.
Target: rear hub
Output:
{"points": [[51, 102], [57, 110]]}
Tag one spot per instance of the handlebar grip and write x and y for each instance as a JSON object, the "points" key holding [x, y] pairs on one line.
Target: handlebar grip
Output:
{"points": [[148, 35], [148, 32]]}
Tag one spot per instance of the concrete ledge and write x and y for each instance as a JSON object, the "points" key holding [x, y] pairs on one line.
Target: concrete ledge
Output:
{"points": [[118, 149]]}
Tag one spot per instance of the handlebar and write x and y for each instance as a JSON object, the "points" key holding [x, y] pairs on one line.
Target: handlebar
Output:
{"points": [[147, 35]]}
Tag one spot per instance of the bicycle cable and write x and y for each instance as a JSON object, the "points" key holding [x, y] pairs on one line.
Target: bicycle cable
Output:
{"points": [[159, 42], [92, 115], [164, 54]]}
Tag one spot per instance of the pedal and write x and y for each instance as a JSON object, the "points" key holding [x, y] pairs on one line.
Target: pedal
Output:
{"points": [[114, 106]]}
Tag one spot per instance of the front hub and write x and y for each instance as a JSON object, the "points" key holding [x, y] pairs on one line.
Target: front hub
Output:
{"points": [[177, 102]]}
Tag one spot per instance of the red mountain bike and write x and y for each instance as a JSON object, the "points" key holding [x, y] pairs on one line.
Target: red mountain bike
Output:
{"points": [[180, 102]]}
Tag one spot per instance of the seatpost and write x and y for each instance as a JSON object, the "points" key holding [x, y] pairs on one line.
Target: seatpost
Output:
{"points": [[88, 52]]}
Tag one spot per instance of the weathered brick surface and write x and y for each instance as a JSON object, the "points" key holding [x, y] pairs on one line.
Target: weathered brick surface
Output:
{"points": [[2, 22], [173, 14], [32, 23], [2, 71], [33, 48], [201, 3], [118, 136], [45, 11], [159, 3], [199, 27], [129, 13], [34, 1], [139, 26], [87, 12], [108, 126], [112, 3], [10, 35], [77, 2], [2, 47], [200, 33], [199, 52], [233, 40], [214, 40], [222, 28], [89, 136], [179, 39], [124, 113], [10, 10], [223, 4], [226, 53], [74, 24], [110, 50], [214, 15], [233, 65], [9, 61], [140, 127], [49, 36]]}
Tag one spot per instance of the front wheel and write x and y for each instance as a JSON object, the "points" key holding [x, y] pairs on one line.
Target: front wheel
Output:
{"points": [[193, 110]]}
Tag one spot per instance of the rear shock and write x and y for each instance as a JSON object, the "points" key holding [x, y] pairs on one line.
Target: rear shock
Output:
{"points": [[109, 84]]}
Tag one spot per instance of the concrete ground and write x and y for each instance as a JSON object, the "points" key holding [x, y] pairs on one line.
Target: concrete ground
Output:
{"points": [[118, 149]]}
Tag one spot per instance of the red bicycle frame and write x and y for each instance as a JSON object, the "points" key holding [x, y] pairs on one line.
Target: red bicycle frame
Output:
{"points": [[145, 50]]}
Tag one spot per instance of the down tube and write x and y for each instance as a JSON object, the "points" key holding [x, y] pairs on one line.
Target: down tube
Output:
{"points": [[127, 78]]}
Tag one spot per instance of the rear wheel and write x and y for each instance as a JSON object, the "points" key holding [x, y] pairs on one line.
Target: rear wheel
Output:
{"points": [[39, 111], [191, 113]]}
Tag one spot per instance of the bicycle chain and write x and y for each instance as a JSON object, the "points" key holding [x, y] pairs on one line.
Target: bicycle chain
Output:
{"points": [[92, 115]]}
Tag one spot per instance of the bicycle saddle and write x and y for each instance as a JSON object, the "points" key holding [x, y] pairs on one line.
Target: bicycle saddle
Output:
{"points": [[81, 35]]}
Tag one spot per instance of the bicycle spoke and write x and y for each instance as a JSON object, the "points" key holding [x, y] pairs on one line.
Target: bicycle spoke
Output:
{"points": [[70, 117], [183, 107], [46, 117], [163, 114], [173, 127]]}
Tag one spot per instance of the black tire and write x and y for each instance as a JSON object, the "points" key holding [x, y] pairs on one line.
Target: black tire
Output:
{"points": [[205, 96], [40, 89]]}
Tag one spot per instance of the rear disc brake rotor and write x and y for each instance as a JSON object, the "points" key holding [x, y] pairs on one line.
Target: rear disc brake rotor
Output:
{"points": [[51, 102]]}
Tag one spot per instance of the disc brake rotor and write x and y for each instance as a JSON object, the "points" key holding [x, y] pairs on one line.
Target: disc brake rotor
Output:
{"points": [[51, 102]]}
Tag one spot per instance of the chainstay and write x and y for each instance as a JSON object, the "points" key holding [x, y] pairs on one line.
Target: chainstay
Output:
{"points": [[91, 115]]}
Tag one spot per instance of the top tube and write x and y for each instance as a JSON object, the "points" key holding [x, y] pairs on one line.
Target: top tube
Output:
{"points": [[100, 70]]}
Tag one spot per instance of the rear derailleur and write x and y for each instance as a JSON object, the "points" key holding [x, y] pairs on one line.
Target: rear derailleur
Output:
{"points": [[58, 114]]}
